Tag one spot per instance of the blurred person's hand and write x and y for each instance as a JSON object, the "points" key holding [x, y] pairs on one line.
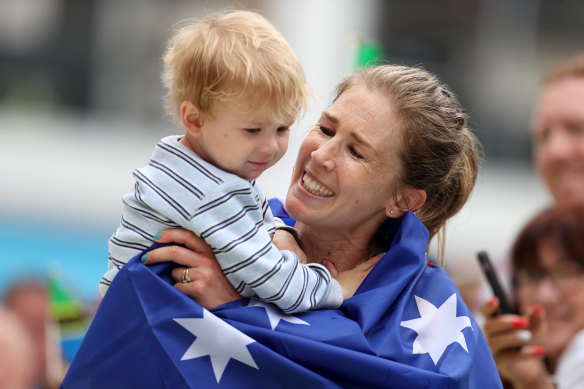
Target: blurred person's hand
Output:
{"points": [[516, 342]]}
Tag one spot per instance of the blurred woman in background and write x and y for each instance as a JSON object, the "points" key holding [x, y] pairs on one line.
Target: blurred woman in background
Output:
{"points": [[543, 345]]}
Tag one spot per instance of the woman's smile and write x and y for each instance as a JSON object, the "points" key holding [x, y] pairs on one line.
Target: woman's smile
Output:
{"points": [[315, 188]]}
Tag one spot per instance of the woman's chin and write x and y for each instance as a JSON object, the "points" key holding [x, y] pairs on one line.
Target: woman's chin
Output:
{"points": [[293, 204]]}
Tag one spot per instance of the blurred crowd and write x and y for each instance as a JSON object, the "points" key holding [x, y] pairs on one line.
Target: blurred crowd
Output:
{"points": [[541, 345]]}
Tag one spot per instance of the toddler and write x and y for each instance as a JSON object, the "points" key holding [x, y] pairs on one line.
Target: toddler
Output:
{"points": [[236, 86]]}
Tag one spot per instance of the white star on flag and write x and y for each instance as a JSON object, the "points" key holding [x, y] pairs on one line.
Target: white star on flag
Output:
{"points": [[437, 328], [274, 314], [218, 340]]}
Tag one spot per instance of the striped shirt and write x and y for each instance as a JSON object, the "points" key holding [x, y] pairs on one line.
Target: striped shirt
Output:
{"points": [[179, 189]]}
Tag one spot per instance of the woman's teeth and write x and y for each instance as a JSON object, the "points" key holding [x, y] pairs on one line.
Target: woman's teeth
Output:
{"points": [[315, 188]]}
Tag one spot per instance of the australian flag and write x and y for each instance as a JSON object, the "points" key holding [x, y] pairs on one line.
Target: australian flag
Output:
{"points": [[405, 327]]}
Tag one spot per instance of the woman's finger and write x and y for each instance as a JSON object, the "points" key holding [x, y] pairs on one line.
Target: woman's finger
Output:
{"points": [[183, 274], [184, 237], [209, 288], [490, 308], [501, 324], [509, 341], [537, 318], [178, 254]]}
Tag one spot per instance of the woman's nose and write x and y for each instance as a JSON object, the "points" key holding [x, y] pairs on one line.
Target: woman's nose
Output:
{"points": [[325, 154], [547, 291]]}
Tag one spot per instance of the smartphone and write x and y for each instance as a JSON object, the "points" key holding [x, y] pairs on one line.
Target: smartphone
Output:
{"points": [[504, 303]]}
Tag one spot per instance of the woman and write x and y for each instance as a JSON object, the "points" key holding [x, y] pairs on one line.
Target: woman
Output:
{"points": [[395, 141], [544, 343]]}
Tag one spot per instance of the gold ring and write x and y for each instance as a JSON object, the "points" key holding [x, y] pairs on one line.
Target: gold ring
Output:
{"points": [[185, 276]]}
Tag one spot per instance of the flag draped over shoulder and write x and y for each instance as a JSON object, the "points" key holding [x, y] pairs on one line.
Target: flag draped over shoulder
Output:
{"points": [[406, 327]]}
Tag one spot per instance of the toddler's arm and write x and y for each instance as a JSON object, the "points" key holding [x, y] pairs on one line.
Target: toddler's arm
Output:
{"points": [[254, 265]]}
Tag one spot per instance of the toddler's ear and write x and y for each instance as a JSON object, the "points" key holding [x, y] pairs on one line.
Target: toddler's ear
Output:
{"points": [[191, 118]]}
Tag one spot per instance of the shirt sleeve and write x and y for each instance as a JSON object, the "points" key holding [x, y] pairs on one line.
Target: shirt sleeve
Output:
{"points": [[270, 222], [232, 223]]}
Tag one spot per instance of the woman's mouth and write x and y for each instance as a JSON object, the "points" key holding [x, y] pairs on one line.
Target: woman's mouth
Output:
{"points": [[316, 188]]}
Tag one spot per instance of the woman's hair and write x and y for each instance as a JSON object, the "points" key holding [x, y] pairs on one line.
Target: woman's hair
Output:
{"points": [[563, 225], [234, 56], [441, 154], [570, 67]]}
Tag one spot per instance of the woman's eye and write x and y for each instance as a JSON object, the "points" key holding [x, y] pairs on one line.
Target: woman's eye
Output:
{"points": [[355, 153], [325, 131]]}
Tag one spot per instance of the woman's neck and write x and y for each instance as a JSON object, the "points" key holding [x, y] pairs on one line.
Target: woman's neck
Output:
{"points": [[344, 249]]}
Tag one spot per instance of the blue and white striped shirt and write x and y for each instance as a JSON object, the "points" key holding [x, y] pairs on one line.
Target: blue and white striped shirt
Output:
{"points": [[179, 189]]}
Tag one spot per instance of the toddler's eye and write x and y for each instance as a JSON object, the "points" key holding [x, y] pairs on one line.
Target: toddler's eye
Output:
{"points": [[252, 130]]}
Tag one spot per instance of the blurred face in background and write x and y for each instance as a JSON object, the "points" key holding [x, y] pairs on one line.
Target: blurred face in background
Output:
{"points": [[558, 132], [554, 281], [16, 371], [30, 303]]}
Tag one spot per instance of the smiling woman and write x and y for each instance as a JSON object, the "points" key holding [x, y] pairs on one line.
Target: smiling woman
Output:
{"points": [[351, 157]]}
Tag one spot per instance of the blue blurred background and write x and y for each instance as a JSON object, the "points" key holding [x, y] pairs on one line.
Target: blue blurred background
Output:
{"points": [[81, 106]]}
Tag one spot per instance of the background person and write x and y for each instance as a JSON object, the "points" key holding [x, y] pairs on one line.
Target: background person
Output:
{"points": [[16, 353], [558, 131], [28, 300], [558, 138], [548, 280]]}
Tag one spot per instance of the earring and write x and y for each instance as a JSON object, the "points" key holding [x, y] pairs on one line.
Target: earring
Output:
{"points": [[391, 211]]}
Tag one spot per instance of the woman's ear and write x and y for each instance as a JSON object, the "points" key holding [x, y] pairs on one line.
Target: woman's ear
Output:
{"points": [[411, 200], [191, 118]]}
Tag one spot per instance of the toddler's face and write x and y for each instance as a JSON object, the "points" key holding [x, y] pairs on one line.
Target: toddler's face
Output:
{"points": [[241, 142]]}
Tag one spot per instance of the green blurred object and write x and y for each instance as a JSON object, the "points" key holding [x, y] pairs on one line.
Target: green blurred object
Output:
{"points": [[70, 315], [63, 306], [369, 53]]}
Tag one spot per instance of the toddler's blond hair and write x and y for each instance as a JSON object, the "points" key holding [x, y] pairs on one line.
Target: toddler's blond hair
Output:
{"points": [[234, 56]]}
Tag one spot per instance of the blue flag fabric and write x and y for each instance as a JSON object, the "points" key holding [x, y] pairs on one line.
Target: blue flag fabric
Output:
{"points": [[406, 327]]}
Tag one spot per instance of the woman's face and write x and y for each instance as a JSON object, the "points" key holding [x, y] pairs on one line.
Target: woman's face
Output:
{"points": [[557, 285], [345, 172]]}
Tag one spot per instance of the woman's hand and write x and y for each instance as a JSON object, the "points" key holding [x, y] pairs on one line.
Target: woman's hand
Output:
{"points": [[350, 280], [511, 339], [208, 286]]}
